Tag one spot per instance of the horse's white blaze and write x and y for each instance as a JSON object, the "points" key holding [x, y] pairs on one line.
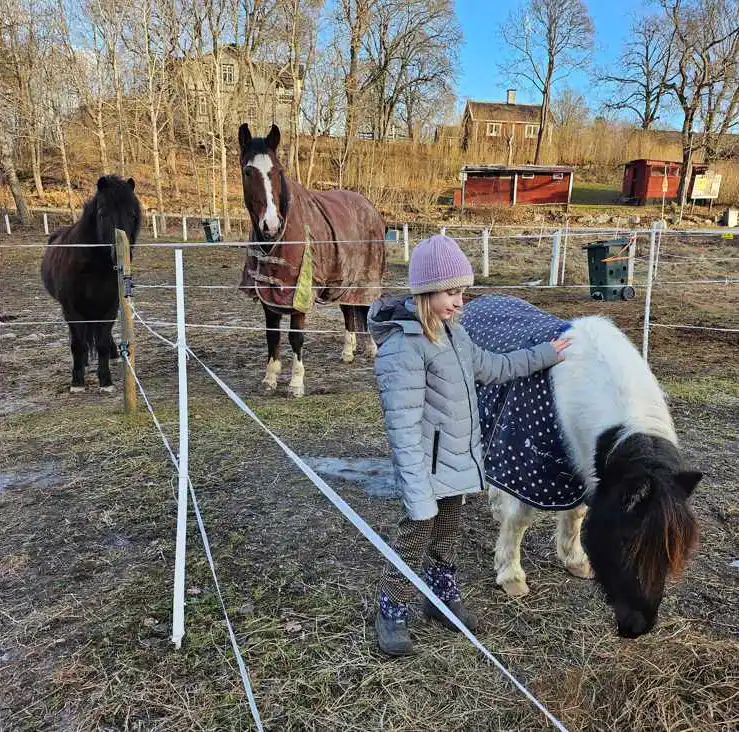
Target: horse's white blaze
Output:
{"points": [[604, 382], [271, 218], [297, 381], [274, 368]]}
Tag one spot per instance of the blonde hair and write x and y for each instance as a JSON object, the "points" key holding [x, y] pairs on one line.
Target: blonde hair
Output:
{"points": [[430, 321]]}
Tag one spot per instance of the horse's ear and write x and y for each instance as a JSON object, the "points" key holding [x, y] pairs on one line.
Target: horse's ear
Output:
{"points": [[688, 480], [131, 182], [244, 136], [273, 138], [102, 182]]}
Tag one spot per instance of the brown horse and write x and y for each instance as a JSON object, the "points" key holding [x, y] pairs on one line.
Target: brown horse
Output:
{"points": [[344, 261], [84, 279]]}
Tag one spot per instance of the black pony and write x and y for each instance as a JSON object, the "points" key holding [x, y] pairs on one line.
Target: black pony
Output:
{"points": [[84, 279]]}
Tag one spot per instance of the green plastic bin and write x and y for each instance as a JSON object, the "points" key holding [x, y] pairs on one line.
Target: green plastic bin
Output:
{"points": [[608, 270]]}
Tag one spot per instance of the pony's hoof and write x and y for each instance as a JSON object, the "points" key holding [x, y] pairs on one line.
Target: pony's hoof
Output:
{"points": [[76, 389], [516, 589], [296, 391], [269, 387], [582, 570], [110, 389], [347, 358]]}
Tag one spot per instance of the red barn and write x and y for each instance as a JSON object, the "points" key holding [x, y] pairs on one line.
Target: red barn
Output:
{"points": [[491, 185], [644, 180]]}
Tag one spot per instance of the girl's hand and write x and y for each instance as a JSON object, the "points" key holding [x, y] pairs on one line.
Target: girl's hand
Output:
{"points": [[559, 346]]}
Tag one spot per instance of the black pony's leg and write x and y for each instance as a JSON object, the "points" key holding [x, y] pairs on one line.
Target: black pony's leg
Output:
{"points": [[113, 347], [103, 339], [297, 337], [274, 367], [350, 330], [78, 345]]}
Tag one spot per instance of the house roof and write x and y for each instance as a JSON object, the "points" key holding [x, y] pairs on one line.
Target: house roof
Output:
{"points": [[507, 169], [651, 163], [502, 112]]}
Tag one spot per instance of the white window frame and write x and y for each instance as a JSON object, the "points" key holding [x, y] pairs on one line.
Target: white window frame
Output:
{"points": [[531, 132], [527, 176], [558, 176], [494, 129], [202, 105], [228, 73]]}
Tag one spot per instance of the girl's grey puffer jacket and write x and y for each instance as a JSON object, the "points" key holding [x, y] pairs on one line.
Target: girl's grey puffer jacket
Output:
{"points": [[428, 397]]}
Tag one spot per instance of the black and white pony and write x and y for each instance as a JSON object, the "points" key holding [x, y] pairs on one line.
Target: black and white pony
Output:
{"points": [[593, 439], [84, 279]]}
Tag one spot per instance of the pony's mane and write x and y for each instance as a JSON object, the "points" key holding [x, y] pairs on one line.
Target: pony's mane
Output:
{"points": [[116, 191], [668, 534]]}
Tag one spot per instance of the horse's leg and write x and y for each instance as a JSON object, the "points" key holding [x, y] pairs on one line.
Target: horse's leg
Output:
{"points": [[113, 354], [274, 367], [515, 518], [370, 350], [569, 548], [350, 338], [296, 337], [103, 338], [78, 345]]}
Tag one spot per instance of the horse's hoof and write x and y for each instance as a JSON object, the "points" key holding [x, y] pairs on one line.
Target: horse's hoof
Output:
{"points": [[582, 570], [516, 589], [76, 389], [347, 358], [269, 387], [110, 389], [296, 391]]}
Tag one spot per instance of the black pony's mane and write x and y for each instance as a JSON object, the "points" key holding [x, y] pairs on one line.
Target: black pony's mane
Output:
{"points": [[113, 195]]}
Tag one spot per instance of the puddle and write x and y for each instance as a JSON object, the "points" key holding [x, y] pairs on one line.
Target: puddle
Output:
{"points": [[42, 477], [374, 475], [735, 564]]}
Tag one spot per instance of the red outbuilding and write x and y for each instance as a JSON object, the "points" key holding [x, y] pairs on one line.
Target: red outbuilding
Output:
{"points": [[646, 180], [491, 185]]}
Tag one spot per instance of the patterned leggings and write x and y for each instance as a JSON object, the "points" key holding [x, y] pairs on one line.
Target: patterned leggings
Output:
{"points": [[433, 541]]}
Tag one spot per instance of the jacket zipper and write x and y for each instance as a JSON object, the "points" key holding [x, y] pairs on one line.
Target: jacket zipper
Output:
{"points": [[435, 452], [469, 403]]}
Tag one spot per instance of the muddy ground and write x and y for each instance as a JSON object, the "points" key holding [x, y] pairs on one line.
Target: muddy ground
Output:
{"points": [[88, 515]]}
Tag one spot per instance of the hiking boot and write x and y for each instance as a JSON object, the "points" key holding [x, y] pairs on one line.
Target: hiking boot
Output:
{"points": [[466, 616], [392, 635]]}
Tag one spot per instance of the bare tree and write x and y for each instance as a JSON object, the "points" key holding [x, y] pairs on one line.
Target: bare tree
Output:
{"points": [[570, 109], [7, 162], [644, 66], [548, 39], [705, 76]]}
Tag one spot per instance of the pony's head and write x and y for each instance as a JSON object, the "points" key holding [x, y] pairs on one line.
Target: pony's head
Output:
{"points": [[114, 206], [266, 194], [640, 527]]}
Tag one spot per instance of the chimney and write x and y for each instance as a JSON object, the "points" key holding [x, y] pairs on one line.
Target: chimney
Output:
{"points": [[511, 96]]}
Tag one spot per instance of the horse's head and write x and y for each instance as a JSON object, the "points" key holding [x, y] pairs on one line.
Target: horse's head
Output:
{"points": [[640, 527], [266, 194], [115, 206]]}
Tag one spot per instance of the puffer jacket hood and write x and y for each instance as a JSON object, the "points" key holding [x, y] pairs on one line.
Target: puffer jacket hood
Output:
{"points": [[391, 313]]}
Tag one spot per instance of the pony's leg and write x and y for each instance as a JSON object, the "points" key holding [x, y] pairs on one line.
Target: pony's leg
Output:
{"points": [[569, 548], [103, 339], [113, 354], [296, 337], [274, 367], [350, 338], [78, 345], [515, 518]]}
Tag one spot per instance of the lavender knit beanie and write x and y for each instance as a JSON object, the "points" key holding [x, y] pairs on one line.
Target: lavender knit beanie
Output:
{"points": [[438, 264]]}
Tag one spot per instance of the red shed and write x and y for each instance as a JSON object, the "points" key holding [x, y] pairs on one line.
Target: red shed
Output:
{"points": [[644, 180], [490, 185]]}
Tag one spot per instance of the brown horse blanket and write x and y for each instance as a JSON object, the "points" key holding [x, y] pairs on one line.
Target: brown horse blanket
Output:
{"points": [[342, 262]]}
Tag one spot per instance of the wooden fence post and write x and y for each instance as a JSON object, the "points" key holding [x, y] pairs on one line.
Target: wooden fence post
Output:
{"points": [[154, 225], [184, 228], [123, 258], [7, 224], [46, 224], [485, 253]]}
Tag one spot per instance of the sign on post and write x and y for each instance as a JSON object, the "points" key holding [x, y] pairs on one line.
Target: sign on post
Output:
{"points": [[706, 185]]}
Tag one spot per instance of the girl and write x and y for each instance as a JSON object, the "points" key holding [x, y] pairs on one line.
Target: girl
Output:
{"points": [[426, 371]]}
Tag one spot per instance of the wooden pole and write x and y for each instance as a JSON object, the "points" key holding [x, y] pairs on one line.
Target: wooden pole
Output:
{"points": [[154, 225], [648, 296], [7, 224], [123, 258], [46, 224], [485, 253], [184, 228]]}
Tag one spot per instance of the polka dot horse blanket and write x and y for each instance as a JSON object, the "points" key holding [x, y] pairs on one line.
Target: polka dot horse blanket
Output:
{"points": [[522, 443]]}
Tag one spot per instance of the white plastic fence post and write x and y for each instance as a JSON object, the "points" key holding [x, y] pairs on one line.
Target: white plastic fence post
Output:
{"points": [[632, 254], [154, 225], [442, 230], [46, 224], [485, 253], [7, 224], [564, 254], [184, 228], [178, 602], [554, 264], [648, 297], [406, 247]]}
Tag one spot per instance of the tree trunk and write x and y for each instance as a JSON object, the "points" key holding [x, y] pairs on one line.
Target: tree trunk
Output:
{"points": [[100, 134], [65, 164], [119, 107], [172, 153], [542, 124], [36, 166], [8, 164], [157, 166], [311, 160]]}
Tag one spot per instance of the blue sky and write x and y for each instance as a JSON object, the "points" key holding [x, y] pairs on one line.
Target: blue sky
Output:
{"points": [[483, 50]]}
